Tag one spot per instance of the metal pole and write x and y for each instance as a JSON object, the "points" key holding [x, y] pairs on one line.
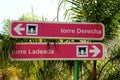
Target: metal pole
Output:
{"points": [[76, 70]]}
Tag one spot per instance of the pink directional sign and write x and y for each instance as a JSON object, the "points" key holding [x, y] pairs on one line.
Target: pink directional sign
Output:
{"points": [[40, 51], [57, 30]]}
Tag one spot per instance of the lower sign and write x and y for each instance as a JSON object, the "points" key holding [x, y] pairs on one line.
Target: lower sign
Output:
{"points": [[65, 51]]}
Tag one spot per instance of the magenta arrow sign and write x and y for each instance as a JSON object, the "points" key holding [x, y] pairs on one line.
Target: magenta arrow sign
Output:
{"points": [[40, 51], [57, 30]]}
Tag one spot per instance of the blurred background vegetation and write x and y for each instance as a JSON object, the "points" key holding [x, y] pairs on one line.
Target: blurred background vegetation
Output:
{"points": [[98, 11]]}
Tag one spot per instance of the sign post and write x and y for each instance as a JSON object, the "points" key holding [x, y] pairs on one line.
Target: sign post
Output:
{"points": [[76, 70]]}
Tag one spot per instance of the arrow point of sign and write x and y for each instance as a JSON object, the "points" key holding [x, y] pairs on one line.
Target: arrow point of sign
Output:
{"points": [[96, 51], [18, 29]]}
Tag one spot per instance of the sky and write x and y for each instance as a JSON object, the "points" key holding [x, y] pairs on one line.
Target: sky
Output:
{"points": [[13, 9]]}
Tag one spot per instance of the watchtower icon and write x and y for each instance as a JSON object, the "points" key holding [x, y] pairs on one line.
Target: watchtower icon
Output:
{"points": [[82, 51], [32, 29]]}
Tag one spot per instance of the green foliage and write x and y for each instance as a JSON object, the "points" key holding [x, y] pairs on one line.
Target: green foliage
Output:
{"points": [[54, 70], [31, 17], [99, 11], [31, 70], [6, 27]]}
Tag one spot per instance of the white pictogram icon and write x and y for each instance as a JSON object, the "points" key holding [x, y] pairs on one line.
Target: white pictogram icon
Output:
{"points": [[32, 29], [82, 51]]}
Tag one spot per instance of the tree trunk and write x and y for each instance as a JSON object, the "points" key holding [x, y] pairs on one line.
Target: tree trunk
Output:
{"points": [[94, 75]]}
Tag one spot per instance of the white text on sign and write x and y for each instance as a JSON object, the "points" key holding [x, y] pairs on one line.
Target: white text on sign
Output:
{"points": [[80, 31]]}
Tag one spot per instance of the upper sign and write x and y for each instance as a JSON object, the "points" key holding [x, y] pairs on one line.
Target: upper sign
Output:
{"points": [[57, 30], [65, 51]]}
